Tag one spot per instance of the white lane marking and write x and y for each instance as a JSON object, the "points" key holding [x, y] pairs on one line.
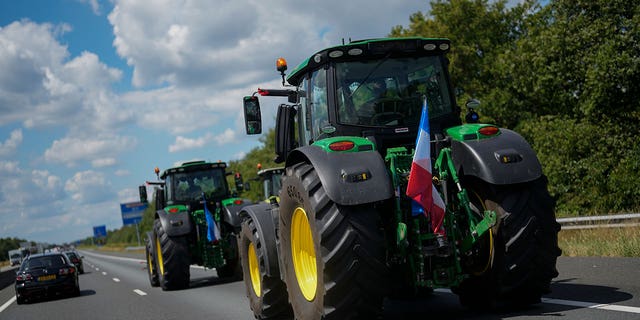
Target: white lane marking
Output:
{"points": [[116, 280], [592, 305], [97, 269], [104, 273], [581, 304], [140, 292], [7, 304]]}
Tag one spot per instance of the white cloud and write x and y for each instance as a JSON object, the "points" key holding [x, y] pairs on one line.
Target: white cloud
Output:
{"points": [[95, 6], [228, 136], [98, 150], [9, 146], [89, 187], [104, 162], [122, 173], [183, 143], [44, 180]]}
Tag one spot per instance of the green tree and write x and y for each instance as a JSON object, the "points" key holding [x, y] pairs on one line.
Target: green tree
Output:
{"points": [[566, 75], [262, 155]]}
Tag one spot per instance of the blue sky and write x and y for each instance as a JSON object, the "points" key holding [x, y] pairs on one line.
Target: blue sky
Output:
{"points": [[95, 94]]}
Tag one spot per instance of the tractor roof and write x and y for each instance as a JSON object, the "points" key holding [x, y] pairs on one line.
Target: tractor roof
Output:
{"points": [[194, 166], [356, 50]]}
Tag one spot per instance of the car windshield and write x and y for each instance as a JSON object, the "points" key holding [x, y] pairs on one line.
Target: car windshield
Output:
{"points": [[190, 186], [51, 261], [390, 92]]}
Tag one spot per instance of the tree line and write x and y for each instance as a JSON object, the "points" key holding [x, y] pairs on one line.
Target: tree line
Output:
{"points": [[566, 75]]}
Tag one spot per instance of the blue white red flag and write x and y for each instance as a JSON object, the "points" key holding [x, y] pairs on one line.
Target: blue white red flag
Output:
{"points": [[420, 187], [213, 232]]}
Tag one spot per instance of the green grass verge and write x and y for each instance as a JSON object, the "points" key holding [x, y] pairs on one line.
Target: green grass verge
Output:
{"points": [[601, 242]]}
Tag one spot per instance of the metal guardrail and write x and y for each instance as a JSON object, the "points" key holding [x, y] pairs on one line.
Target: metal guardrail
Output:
{"points": [[607, 221]]}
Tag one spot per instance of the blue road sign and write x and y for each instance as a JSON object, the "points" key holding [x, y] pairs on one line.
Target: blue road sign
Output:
{"points": [[99, 231], [132, 212]]}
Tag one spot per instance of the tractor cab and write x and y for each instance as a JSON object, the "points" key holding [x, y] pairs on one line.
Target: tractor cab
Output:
{"points": [[371, 88], [271, 182], [186, 184]]}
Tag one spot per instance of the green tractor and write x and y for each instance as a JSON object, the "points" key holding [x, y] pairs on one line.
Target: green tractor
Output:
{"points": [[196, 222], [271, 180], [345, 235]]}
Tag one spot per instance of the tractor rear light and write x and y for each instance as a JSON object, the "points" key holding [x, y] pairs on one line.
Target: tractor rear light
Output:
{"points": [[263, 92], [341, 146], [173, 210], [237, 202], [488, 131]]}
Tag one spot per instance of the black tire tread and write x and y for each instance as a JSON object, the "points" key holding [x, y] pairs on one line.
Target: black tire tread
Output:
{"points": [[175, 255], [273, 304], [352, 249]]}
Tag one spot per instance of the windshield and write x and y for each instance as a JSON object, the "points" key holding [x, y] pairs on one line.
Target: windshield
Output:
{"points": [[190, 186], [389, 92], [44, 262]]}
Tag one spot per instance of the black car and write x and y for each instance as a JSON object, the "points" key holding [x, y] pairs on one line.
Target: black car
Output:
{"points": [[76, 259], [46, 274]]}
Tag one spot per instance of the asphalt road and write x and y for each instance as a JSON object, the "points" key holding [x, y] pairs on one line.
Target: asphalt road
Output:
{"points": [[118, 288]]}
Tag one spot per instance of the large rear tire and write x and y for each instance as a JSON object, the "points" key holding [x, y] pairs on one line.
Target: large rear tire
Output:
{"points": [[524, 243], [152, 270], [173, 259], [267, 294], [332, 255]]}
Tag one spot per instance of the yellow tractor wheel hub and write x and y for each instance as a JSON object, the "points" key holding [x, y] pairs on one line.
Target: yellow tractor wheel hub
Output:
{"points": [[304, 254]]}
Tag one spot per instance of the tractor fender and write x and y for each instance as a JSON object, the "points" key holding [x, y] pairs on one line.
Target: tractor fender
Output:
{"points": [[175, 224], [266, 226], [349, 178], [505, 159], [231, 213]]}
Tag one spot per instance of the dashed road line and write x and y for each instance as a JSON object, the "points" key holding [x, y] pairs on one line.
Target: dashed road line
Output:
{"points": [[140, 292], [116, 280], [104, 273]]}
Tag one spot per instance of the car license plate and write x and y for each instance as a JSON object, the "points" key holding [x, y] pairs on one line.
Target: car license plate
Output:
{"points": [[47, 277]]}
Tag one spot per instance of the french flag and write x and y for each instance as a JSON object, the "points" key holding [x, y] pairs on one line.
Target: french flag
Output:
{"points": [[420, 187]]}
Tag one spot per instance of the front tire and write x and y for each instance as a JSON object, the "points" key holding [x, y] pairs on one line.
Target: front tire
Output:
{"points": [[173, 259], [525, 240], [267, 294], [333, 255]]}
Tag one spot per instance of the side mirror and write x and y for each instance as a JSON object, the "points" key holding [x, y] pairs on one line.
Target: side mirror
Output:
{"points": [[252, 117], [142, 190], [472, 116], [239, 182]]}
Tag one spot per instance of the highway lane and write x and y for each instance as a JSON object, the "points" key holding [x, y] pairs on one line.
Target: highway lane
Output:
{"points": [[118, 288]]}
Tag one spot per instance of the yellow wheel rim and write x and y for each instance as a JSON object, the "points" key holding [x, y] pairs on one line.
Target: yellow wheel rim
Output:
{"points": [[487, 266], [149, 262], [254, 269], [159, 258], [304, 254]]}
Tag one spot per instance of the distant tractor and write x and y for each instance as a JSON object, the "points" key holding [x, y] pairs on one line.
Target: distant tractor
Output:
{"points": [[196, 222], [271, 179], [345, 234]]}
